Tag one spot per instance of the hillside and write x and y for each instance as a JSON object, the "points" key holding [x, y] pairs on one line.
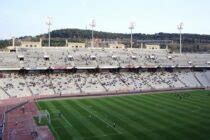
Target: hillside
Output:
{"points": [[86, 34], [193, 42]]}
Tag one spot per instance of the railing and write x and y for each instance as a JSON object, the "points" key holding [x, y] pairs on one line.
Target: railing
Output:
{"points": [[15, 107]]}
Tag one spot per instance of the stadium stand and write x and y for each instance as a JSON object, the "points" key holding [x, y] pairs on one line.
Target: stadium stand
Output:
{"points": [[64, 71], [39, 84], [201, 77], [64, 84], [18, 85], [8, 61], [188, 78]]}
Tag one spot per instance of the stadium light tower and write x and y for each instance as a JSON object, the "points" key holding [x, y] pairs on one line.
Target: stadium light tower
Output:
{"points": [[49, 23], [131, 27], [180, 28], [92, 25], [13, 43]]}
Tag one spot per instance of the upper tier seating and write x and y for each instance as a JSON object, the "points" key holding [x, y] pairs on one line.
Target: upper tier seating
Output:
{"points": [[63, 57]]}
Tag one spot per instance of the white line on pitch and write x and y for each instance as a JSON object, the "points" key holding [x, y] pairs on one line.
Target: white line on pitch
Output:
{"points": [[100, 118], [66, 120]]}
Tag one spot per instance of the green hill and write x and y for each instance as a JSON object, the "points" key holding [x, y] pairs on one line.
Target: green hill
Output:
{"points": [[193, 42]]}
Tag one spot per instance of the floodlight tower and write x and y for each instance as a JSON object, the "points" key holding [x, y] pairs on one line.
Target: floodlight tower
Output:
{"points": [[92, 25], [131, 27], [49, 23], [13, 44], [180, 28]]}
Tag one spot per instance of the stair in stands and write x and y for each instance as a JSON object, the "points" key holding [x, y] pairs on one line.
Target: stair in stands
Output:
{"points": [[146, 82], [198, 80], [80, 89], [51, 83], [102, 84], [6, 92], [182, 82], [119, 76], [28, 86]]}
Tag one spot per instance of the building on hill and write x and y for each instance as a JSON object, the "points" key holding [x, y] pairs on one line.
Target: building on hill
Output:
{"points": [[155, 44], [24, 44], [75, 44], [27, 44], [152, 47], [116, 45]]}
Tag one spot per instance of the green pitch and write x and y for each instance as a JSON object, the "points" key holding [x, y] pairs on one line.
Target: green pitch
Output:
{"points": [[177, 116]]}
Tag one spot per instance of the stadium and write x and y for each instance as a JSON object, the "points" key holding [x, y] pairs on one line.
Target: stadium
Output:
{"points": [[79, 92], [109, 82]]}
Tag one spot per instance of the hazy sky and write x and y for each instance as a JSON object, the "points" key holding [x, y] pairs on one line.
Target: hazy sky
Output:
{"points": [[28, 17]]}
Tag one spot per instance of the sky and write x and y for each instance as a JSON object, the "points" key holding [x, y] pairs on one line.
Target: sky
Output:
{"points": [[29, 17]]}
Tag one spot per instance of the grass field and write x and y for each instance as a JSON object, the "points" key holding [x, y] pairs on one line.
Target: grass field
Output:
{"points": [[178, 116]]}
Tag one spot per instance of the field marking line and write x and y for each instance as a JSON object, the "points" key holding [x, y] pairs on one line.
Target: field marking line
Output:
{"points": [[66, 121], [53, 129], [39, 107], [99, 118]]}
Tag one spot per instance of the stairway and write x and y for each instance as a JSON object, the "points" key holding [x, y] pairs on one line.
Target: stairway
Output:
{"points": [[198, 80], [119, 76], [181, 81], [80, 89], [51, 83], [5, 91], [28, 86], [145, 82], [102, 84]]}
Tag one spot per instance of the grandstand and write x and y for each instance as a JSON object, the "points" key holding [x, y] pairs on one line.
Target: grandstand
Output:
{"points": [[91, 58], [51, 72], [66, 71], [19, 85]]}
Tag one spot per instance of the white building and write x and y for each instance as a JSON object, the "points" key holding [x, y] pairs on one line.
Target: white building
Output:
{"points": [[116, 46], [31, 44], [152, 47], [75, 44]]}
